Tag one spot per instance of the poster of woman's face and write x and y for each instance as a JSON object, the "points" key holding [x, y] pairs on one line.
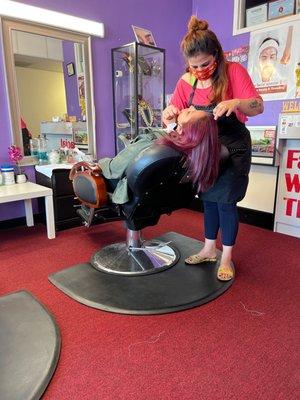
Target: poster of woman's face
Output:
{"points": [[272, 60], [143, 36], [267, 59]]}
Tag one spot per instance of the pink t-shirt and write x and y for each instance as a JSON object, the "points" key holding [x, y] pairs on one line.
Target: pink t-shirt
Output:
{"points": [[240, 86]]}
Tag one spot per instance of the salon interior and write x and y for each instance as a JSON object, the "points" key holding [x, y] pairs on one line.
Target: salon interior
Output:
{"points": [[98, 298]]}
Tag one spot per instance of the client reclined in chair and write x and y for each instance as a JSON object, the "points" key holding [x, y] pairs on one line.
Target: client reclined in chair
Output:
{"points": [[195, 137], [156, 174]]}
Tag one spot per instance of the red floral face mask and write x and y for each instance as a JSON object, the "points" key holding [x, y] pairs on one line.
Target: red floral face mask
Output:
{"points": [[205, 73]]}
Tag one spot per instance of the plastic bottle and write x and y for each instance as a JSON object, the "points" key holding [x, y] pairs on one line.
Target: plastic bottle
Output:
{"points": [[34, 147], [8, 174], [297, 71], [42, 150], [53, 157]]}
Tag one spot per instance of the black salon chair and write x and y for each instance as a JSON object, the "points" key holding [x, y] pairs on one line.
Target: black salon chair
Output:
{"points": [[122, 277], [158, 184]]}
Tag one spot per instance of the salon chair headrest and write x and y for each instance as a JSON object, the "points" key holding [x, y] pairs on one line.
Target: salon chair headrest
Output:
{"points": [[158, 164]]}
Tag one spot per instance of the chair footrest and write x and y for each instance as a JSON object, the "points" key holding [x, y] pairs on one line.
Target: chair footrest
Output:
{"points": [[103, 214]]}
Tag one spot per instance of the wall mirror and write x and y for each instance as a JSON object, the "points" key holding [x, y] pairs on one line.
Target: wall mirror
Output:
{"points": [[49, 80]]}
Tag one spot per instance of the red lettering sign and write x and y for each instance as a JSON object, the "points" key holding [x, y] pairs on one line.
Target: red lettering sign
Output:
{"points": [[67, 143], [272, 89], [292, 182], [289, 206], [291, 158]]}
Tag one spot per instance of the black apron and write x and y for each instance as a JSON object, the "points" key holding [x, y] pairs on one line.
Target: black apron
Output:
{"points": [[232, 182]]}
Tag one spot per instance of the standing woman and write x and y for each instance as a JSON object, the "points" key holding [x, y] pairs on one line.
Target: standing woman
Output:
{"points": [[226, 90]]}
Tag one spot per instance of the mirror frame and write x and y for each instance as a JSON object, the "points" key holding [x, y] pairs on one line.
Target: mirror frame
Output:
{"points": [[8, 25]]}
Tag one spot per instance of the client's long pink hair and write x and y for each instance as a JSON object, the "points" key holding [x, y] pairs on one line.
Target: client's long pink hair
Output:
{"points": [[199, 143]]}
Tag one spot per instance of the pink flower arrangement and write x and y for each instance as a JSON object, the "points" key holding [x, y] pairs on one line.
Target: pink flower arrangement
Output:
{"points": [[15, 155]]}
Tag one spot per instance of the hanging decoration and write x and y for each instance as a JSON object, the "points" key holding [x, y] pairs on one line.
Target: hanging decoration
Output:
{"points": [[146, 112]]}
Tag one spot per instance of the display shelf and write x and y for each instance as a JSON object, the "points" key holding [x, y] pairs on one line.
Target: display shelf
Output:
{"points": [[138, 73]]}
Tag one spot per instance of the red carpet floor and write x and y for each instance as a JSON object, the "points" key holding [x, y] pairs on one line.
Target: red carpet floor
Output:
{"points": [[239, 346]]}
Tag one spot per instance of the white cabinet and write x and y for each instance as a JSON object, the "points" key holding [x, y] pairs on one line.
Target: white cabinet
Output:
{"points": [[59, 133], [287, 214], [29, 44]]}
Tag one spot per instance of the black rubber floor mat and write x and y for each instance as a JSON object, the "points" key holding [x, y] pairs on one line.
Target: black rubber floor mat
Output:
{"points": [[29, 347], [177, 288]]}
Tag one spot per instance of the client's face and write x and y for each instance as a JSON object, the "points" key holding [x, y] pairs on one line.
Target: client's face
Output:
{"points": [[189, 116]]}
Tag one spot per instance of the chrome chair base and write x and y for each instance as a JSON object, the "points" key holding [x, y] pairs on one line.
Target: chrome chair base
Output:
{"points": [[149, 258]]}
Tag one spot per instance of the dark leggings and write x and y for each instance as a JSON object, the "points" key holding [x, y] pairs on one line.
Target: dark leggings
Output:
{"points": [[223, 216]]}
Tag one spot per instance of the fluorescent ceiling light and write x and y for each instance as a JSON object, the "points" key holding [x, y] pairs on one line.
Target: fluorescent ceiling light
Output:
{"points": [[43, 16]]}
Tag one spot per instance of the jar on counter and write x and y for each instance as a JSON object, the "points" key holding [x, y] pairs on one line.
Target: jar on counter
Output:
{"points": [[42, 150], [53, 157], [34, 147], [8, 174]]}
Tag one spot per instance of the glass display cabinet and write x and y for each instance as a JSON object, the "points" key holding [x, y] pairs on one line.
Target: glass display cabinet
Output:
{"points": [[138, 90]]}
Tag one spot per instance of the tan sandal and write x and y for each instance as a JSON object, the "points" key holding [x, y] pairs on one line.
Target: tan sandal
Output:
{"points": [[225, 273], [197, 259]]}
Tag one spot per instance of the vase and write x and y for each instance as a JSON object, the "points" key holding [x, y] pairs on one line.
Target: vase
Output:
{"points": [[21, 178]]}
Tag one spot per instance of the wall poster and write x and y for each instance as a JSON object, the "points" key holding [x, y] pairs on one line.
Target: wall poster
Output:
{"points": [[263, 140], [239, 55], [81, 95], [273, 59], [287, 213]]}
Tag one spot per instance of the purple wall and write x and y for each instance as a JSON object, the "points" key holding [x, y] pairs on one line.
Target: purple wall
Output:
{"points": [[166, 19], [71, 81], [219, 15]]}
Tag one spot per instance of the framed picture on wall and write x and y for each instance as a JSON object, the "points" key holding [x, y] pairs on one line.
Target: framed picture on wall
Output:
{"points": [[263, 140], [257, 15], [143, 36], [80, 136], [281, 8], [70, 69]]}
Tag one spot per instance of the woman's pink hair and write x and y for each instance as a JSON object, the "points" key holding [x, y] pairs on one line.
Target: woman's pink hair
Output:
{"points": [[199, 143]]}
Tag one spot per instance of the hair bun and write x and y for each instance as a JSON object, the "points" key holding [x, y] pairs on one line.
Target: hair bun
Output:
{"points": [[196, 24]]}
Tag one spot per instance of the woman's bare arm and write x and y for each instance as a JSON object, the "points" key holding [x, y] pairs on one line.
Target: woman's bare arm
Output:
{"points": [[251, 107]]}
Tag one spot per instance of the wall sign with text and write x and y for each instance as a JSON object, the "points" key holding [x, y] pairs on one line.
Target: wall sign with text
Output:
{"points": [[287, 216]]}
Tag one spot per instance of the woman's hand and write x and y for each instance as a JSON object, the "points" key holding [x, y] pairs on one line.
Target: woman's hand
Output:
{"points": [[226, 107], [170, 114]]}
